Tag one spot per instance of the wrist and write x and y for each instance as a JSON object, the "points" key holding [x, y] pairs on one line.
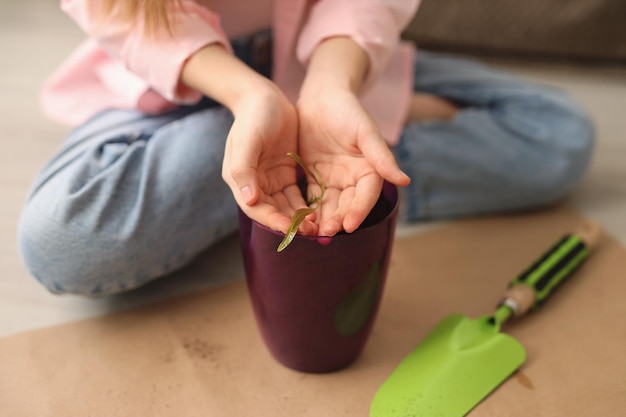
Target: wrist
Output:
{"points": [[264, 93], [217, 74], [337, 63], [321, 83]]}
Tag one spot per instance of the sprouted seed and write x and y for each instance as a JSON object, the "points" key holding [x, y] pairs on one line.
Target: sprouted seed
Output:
{"points": [[313, 203]]}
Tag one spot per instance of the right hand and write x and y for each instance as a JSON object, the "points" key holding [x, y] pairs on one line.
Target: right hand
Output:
{"points": [[256, 166]]}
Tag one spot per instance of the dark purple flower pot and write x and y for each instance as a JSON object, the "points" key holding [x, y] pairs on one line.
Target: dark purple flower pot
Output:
{"points": [[315, 302]]}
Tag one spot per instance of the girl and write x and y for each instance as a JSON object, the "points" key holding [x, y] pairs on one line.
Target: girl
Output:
{"points": [[186, 109]]}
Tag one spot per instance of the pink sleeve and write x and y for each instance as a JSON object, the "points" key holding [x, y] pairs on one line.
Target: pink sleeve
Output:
{"points": [[158, 60], [374, 24]]}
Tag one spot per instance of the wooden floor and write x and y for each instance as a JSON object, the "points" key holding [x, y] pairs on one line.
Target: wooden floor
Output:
{"points": [[34, 38]]}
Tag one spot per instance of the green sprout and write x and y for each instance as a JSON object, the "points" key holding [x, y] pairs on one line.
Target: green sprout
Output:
{"points": [[313, 203]]}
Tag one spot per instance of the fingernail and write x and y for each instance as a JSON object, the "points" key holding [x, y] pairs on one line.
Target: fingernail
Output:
{"points": [[324, 240], [246, 193]]}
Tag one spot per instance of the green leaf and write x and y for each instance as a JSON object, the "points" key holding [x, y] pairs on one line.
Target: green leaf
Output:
{"points": [[296, 220], [300, 214]]}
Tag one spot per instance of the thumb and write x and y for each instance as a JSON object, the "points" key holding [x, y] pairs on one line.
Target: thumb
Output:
{"points": [[248, 190], [377, 152], [240, 172]]}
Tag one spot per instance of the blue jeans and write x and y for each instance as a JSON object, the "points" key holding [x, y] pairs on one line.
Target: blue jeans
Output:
{"points": [[130, 197]]}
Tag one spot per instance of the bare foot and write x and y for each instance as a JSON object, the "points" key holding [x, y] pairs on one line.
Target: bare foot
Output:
{"points": [[427, 107]]}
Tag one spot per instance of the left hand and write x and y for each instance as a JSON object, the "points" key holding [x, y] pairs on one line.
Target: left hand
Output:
{"points": [[339, 138]]}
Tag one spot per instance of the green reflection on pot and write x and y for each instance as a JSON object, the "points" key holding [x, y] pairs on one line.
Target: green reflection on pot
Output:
{"points": [[353, 312]]}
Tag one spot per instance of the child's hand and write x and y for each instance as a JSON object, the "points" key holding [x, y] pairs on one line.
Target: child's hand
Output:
{"points": [[256, 166], [340, 139]]}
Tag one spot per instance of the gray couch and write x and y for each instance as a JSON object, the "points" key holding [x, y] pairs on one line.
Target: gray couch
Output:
{"points": [[574, 30]]}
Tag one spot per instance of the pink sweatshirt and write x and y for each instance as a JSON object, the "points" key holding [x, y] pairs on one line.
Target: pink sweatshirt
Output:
{"points": [[119, 67]]}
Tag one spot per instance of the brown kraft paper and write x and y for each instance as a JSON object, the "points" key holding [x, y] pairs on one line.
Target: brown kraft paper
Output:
{"points": [[201, 355]]}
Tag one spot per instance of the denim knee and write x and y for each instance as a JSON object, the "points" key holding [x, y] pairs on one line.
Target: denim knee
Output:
{"points": [[564, 157], [48, 253], [67, 259], [71, 255], [129, 207], [519, 155]]}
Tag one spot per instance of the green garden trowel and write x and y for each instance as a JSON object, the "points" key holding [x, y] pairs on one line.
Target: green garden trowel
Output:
{"points": [[462, 360]]}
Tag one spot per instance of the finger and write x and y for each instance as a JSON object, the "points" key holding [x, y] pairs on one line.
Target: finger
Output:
{"points": [[314, 198], [365, 196], [314, 192], [280, 201], [294, 200], [268, 215], [377, 152], [334, 210], [240, 173]]}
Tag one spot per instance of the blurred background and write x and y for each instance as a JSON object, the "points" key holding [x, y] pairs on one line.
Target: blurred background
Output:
{"points": [[578, 45], [575, 31]]}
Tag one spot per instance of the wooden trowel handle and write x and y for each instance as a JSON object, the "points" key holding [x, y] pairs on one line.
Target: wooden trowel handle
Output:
{"points": [[533, 286]]}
